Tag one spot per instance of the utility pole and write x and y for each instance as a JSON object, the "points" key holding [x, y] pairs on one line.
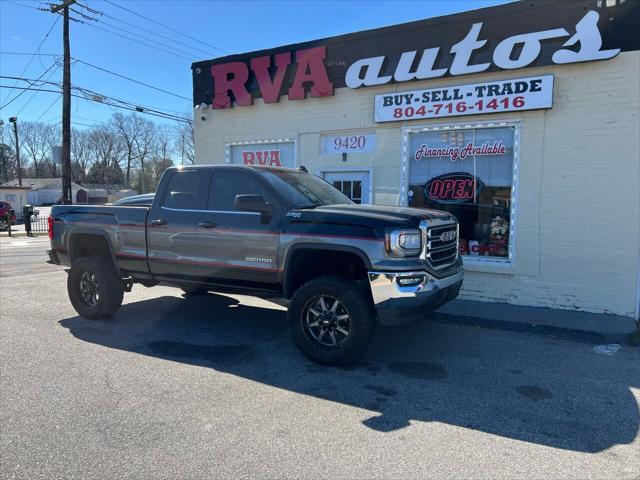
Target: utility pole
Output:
{"points": [[66, 103], [14, 120]]}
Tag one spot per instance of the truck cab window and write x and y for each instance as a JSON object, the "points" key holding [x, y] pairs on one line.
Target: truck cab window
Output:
{"points": [[225, 185], [182, 190]]}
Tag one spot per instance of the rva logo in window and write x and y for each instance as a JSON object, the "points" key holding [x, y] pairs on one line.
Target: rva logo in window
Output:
{"points": [[262, 157], [456, 187]]}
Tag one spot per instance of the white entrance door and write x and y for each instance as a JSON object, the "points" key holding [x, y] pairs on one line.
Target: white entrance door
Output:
{"points": [[355, 185]]}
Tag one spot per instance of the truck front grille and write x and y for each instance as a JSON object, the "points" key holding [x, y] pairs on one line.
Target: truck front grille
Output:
{"points": [[441, 245]]}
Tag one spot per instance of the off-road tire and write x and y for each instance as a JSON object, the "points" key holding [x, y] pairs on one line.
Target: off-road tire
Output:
{"points": [[356, 301], [110, 287]]}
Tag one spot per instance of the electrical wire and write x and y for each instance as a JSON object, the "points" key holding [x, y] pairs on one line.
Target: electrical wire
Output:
{"points": [[36, 93], [165, 26], [138, 27], [133, 80], [129, 32], [101, 98], [130, 39], [89, 92], [24, 91], [4, 52], [36, 52], [48, 108]]}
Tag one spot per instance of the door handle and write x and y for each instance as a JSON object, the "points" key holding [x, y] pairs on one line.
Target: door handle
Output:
{"points": [[158, 222], [207, 224]]}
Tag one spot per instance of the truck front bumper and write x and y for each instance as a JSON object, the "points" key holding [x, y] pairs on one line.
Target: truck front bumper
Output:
{"points": [[402, 297]]}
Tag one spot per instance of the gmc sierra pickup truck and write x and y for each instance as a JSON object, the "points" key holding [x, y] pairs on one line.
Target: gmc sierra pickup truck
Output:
{"points": [[269, 232]]}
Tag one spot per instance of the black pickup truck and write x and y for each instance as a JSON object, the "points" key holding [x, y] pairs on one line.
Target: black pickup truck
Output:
{"points": [[267, 232]]}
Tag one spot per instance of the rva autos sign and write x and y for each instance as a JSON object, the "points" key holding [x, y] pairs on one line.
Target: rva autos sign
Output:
{"points": [[498, 96], [507, 37]]}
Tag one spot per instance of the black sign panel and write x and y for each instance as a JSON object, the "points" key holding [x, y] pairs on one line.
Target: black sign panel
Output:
{"points": [[617, 26]]}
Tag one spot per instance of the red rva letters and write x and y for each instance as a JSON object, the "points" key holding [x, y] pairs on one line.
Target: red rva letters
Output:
{"points": [[262, 157], [223, 84], [233, 77], [270, 90], [311, 59]]}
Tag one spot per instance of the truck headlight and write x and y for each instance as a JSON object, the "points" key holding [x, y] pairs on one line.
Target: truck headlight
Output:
{"points": [[403, 243]]}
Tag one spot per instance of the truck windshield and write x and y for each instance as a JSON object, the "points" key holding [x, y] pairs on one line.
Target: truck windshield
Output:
{"points": [[303, 190]]}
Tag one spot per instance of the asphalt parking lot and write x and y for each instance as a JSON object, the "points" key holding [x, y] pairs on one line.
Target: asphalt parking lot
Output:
{"points": [[211, 386]]}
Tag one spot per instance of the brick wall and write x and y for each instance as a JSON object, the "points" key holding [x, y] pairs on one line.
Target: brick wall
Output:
{"points": [[578, 224]]}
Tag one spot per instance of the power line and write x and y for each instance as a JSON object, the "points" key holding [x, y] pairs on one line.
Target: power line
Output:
{"points": [[36, 93], [35, 53], [24, 91], [130, 39], [129, 32], [106, 71], [165, 26], [87, 91], [49, 108], [138, 27], [133, 80], [98, 98], [4, 52]]}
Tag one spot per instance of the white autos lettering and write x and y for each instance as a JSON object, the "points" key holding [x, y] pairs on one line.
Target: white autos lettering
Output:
{"points": [[530, 48], [425, 67], [462, 53], [372, 66], [588, 35]]}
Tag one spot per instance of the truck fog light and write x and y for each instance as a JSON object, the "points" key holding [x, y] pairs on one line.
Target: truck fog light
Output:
{"points": [[410, 281]]}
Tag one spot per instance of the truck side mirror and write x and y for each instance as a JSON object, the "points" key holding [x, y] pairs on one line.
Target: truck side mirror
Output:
{"points": [[253, 203]]}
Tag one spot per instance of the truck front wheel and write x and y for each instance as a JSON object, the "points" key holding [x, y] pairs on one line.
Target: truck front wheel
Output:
{"points": [[331, 320], [95, 288]]}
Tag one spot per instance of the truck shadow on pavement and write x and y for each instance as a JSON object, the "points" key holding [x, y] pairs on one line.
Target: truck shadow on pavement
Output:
{"points": [[546, 391]]}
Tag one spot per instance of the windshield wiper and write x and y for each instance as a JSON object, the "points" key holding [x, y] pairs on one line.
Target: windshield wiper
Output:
{"points": [[309, 206]]}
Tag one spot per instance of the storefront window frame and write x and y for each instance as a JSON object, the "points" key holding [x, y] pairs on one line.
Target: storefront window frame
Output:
{"points": [[403, 200], [228, 145]]}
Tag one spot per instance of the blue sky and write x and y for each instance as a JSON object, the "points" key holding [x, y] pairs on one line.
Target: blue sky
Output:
{"points": [[231, 27]]}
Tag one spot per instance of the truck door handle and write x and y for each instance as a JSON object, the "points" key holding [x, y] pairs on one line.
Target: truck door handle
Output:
{"points": [[207, 225], [157, 222]]}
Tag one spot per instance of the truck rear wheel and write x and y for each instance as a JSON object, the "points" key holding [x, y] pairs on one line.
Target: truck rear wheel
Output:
{"points": [[331, 320], [95, 288]]}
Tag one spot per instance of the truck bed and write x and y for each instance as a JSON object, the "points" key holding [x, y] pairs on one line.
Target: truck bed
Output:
{"points": [[122, 227]]}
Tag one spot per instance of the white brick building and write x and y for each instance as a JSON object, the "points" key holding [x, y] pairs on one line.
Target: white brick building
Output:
{"points": [[549, 218]]}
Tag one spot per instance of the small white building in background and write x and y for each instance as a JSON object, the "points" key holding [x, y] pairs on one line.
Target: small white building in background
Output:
{"points": [[43, 191], [16, 196]]}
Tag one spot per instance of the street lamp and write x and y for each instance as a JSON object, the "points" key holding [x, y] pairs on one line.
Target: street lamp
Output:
{"points": [[14, 120]]}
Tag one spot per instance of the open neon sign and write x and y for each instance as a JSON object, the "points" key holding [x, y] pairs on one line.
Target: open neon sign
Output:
{"points": [[456, 187]]}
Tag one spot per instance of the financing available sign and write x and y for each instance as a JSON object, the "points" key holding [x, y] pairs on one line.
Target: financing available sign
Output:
{"points": [[528, 93]]}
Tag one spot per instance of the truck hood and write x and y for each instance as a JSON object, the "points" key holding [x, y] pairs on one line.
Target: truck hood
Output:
{"points": [[387, 214]]}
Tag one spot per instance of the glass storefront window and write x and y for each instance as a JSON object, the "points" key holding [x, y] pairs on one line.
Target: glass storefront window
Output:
{"points": [[469, 173]]}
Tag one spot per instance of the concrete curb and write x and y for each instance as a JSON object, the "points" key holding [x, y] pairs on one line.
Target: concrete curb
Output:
{"points": [[570, 325]]}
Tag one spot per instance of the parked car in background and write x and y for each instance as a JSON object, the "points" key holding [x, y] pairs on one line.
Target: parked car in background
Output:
{"points": [[5, 209], [144, 200]]}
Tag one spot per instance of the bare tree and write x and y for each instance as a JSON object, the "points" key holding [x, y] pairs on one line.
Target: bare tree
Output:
{"points": [[107, 149], [33, 136], [164, 144], [53, 138], [185, 144], [144, 143], [7, 154], [81, 154], [128, 127]]}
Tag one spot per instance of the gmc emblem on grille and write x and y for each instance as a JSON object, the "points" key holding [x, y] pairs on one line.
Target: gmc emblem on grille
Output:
{"points": [[448, 236]]}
